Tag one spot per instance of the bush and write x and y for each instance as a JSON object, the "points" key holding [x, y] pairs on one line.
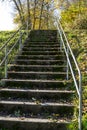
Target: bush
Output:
{"points": [[84, 122], [80, 22], [73, 125], [74, 17]]}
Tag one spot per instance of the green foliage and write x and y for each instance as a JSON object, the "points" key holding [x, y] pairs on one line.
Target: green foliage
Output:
{"points": [[73, 125], [39, 14], [4, 36], [77, 40], [75, 17], [84, 122], [80, 23]]}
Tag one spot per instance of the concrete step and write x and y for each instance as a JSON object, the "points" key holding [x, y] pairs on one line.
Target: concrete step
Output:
{"points": [[44, 32], [43, 57], [42, 38], [14, 123], [36, 84], [37, 107], [38, 68], [40, 62], [41, 52], [47, 45], [45, 115], [36, 95], [41, 48], [36, 75]]}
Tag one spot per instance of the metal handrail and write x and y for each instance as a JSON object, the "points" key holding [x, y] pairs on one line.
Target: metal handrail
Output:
{"points": [[19, 40], [78, 84]]}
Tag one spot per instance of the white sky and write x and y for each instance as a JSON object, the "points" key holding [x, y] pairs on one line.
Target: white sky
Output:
{"points": [[6, 20]]}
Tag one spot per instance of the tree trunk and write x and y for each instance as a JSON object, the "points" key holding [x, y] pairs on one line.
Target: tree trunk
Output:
{"points": [[28, 11], [34, 14], [21, 8], [19, 11], [41, 14]]}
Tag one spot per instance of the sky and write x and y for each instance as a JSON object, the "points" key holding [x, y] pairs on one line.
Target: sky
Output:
{"points": [[6, 18]]}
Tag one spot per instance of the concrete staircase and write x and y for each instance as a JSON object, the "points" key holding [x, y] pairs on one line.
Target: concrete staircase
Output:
{"points": [[36, 95]]}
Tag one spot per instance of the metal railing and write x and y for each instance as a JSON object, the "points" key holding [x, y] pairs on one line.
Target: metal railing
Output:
{"points": [[12, 46], [68, 51]]}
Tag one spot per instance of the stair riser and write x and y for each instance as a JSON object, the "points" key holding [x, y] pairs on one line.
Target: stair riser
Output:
{"points": [[15, 125], [35, 85], [43, 38], [36, 62], [47, 45], [44, 32], [40, 57], [36, 109], [36, 95], [40, 53], [35, 39], [40, 49], [36, 76], [39, 69]]}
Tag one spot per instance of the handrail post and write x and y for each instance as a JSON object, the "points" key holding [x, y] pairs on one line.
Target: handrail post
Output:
{"points": [[59, 31], [27, 28], [58, 37], [20, 41], [6, 61], [67, 67], [61, 44], [80, 102]]}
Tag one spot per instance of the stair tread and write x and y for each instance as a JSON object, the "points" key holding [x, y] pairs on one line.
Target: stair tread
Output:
{"points": [[37, 65], [37, 90], [38, 60], [41, 45], [33, 72], [35, 103], [35, 120], [26, 55], [43, 42], [44, 51], [27, 80], [42, 48]]}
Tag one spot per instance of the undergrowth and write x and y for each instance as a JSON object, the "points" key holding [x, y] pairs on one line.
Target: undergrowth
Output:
{"points": [[78, 43], [4, 37]]}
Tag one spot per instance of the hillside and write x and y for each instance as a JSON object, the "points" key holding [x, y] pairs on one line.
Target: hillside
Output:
{"points": [[78, 42]]}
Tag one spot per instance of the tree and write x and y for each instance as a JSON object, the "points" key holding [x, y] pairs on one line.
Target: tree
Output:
{"points": [[19, 8], [75, 16], [37, 12], [28, 10]]}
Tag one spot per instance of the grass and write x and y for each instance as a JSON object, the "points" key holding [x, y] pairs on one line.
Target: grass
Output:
{"points": [[4, 36]]}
